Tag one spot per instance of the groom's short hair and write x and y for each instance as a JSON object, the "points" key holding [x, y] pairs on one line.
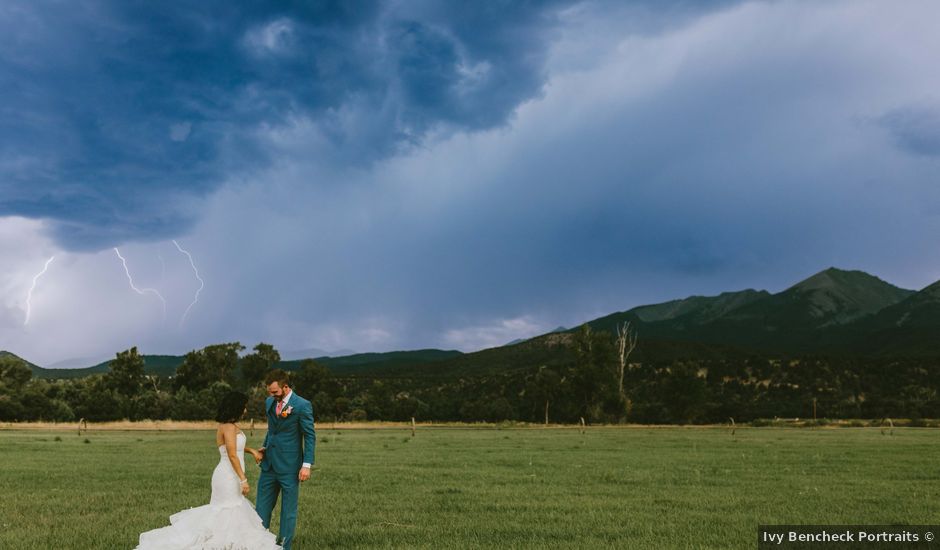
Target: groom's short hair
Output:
{"points": [[279, 376]]}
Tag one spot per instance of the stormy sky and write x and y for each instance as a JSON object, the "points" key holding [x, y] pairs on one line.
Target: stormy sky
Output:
{"points": [[371, 176]]}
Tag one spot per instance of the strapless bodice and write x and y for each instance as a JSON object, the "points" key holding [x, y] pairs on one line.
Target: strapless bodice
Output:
{"points": [[239, 446]]}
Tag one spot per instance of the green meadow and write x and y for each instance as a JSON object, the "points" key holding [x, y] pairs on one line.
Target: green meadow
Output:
{"points": [[485, 487]]}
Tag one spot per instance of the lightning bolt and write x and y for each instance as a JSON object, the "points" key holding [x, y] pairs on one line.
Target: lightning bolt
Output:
{"points": [[140, 291], [202, 283], [29, 295]]}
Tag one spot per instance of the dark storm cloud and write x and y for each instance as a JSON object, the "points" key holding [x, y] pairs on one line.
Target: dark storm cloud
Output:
{"points": [[645, 152], [116, 115], [915, 129], [744, 168]]}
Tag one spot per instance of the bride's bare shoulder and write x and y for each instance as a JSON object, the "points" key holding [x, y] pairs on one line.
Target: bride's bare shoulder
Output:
{"points": [[227, 431]]}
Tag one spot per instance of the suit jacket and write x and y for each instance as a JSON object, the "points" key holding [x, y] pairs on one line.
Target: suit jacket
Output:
{"points": [[290, 440]]}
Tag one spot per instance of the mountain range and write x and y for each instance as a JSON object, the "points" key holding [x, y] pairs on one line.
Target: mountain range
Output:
{"points": [[834, 312]]}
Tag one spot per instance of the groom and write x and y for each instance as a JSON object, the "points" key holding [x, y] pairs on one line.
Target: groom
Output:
{"points": [[287, 453]]}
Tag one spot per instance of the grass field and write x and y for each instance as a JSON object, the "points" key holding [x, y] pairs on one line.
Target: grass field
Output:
{"points": [[485, 488]]}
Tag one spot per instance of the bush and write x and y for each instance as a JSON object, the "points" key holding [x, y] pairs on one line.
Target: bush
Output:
{"points": [[188, 405], [11, 409], [96, 404], [762, 422], [256, 398], [816, 423], [58, 411], [151, 405]]}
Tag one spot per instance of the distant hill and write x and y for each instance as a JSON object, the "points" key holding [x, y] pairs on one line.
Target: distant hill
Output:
{"points": [[909, 328], [371, 363], [78, 362], [13, 355], [159, 365], [520, 340], [36, 369], [361, 363], [299, 354], [698, 309], [830, 297], [833, 312], [809, 317]]}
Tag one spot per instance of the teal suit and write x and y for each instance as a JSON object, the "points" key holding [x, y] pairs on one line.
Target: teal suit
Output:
{"points": [[289, 443]]}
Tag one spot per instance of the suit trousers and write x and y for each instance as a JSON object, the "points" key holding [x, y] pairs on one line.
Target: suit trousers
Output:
{"points": [[269, 485]]}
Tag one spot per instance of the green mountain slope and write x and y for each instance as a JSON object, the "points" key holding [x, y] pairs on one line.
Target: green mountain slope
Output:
{"points": [[374, 363], [36, 369], [909, 328], [806, 318], [830, 297], [159, 365], [834, 312], [361, 363], [698, 309]]}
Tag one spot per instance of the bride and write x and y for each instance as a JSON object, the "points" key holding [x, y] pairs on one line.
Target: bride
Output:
{"points": [[229, 521]]}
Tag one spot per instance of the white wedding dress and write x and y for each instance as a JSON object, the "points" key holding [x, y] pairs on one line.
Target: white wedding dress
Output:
{"points": [[228, 522]]}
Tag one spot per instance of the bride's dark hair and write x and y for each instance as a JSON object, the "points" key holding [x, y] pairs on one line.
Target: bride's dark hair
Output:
{"points": [[231, 407]]}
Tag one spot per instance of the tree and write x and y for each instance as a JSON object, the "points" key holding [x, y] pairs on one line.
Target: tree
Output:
{"points": [[223, 359], [126, 373], [94, 401], [211, 364], [593, 377], [192, 405], [193, 373], [256, 365], [311, 379], [626, 343], [544, 386], [685, 392], [14, 373], [322, 405]]}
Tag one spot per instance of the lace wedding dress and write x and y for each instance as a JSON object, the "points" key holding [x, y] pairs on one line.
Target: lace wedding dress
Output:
{"points": [[228, 522]]}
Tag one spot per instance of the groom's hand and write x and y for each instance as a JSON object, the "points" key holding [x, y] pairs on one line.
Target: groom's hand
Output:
{"points": [[304, 474]]}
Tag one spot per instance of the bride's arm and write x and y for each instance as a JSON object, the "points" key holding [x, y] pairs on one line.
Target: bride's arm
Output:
{"points": [[230, 438], [255, 453]]}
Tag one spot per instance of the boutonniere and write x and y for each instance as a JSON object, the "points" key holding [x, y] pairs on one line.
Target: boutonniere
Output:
{"points": [[287, 411]]}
